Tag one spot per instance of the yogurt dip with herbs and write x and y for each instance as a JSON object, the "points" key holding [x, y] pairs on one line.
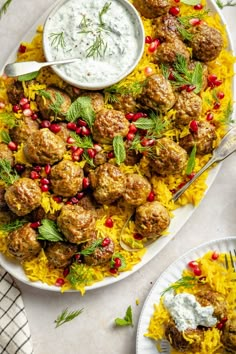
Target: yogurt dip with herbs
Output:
{"points": [[104, 35]]}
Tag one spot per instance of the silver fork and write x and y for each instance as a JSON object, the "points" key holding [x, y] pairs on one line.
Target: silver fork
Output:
{"points": [[165, 346], [230, 262]]}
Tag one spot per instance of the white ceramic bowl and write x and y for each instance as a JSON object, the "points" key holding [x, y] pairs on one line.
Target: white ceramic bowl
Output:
{"points": [[73, 18]]}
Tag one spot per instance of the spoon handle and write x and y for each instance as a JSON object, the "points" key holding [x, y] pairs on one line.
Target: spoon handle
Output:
{"points": [[22, 68]]}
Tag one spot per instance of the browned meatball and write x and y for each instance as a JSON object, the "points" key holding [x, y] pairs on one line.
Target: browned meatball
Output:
{"points": [[177, 340], [137, 189], [166, 27], [151, 219], [229, 335], [203, 138], [125, 103], [25, 127], [64, 133], [188, 107], [132, 156], [23, 196], [191, 66], [45, 104], [168, 157], [59, 254], [100, 158], [6, 153], [67, 178], [88, 202], [3, 204], [167, 52], [39, 214], [158, 93], [108, 124], [97, 100], [108, 183], [208, 297], [43, 147], [6, 216], [76, 223], [15, 91], [23, 244], [101, 254], [152, 8], [207, 42]]}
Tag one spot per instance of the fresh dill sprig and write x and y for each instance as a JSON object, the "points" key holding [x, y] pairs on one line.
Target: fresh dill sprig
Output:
{"points": [[184, 282], [97, 48], [228, 113], [137, 146], [66, 316], [165, 70], [84, 25], [57, 40], [153, 123], [56, 104], [8, 119], [89, 250], [5, 137], [112, 92], [4, 7], [7, 174], [221, 4], [186, 20], [13, 225], [103, 11], [45, 94], [82, 142], [88, 159]]}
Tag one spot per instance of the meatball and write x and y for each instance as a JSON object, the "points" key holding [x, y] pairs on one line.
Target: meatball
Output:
{"points": [[206, 43], [76, 223], [6, 153], [229, 335], [152, 8], [188, 107], [97, 100], [137, 189], [166, 27], [6, 216], [59, 254], [178, 342], [108, 183], [158, 93], [108, 124], [67, 178], [39, 214], [208, 297], [203, 138], [167, 52], [132, 156], [125, 103], [64, 132], [25, 127], [87, 202], [15, 91], [43, 147], [23, 196], [23, 244], [101, 255], [168, 157], [100, 158], [151, 219], [46, 102]]}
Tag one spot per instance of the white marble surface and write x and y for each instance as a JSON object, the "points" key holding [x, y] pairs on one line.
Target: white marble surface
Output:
{"points": [[93, 331]]}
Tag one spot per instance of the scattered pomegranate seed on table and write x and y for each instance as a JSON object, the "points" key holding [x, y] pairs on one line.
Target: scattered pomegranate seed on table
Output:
{"points": [[57, 199], [74, 200], [130, 136], [110, 155], [66, 271], [216, 105], [80, 195], [19, 168], [195, 21], [82, 123], [132, 128], [70, 140], [34, 116], [197, 271], [91, 152], [113, 270], [85, 131], [44, 181], [37, 168]]}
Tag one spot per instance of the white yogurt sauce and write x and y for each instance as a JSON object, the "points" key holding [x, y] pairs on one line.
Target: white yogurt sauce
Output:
{"points": [[187, 312], [120, 39]]}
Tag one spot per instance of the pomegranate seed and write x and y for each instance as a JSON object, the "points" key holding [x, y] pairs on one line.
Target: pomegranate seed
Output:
{"points": [[70, 140], [37, 168], [198, 7], [78, 130], [75, 157], [148, 39], [19, 168], [80, 195], [193, 126], [78, 152], [35, 225], [211, 78], [138, 236], [109, 223], [16, 108], [216, 105], [177, 1], [27, 112], [193, 264], [171, 76], [129, 116], [197, 271], [110, 155], [23, 101], [66, 272], [190, 88], [74, 200], [60, 282], [45, 124], [174, 11], [71, 126], [151, 197], [82, 123], [2, 105], [47, 169], [220, 95], [117, 263], [85, 182], [195, 21], [55, 128], [130, 136], [220, 325], [34, 116], [154, 45], [91, 153], [215, 256], [57, 199], [113, 270], [44, 181], [191, 175], [34, 175], [224, 320], [132, 128], [137, 116], [26, 106], [106, 241], [77, 257], [73, 148], [181, 185], [22, 48], [85, 131], [218, 82], [97, 147], [147, 142], [183, 87], [44, 188], [209, 116], [148, 71], [69, 202], [12, 146]]}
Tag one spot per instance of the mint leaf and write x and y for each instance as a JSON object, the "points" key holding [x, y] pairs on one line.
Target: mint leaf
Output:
{"points": [[191, 161], [127, 320], [49, 231], [119, 149], [28, 77], [81, 108]]}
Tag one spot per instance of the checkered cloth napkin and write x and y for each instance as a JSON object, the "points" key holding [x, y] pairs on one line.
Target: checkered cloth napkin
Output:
{"points": [[14, 328]]}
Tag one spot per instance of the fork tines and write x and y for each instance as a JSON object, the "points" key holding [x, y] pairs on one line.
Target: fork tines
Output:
{"points": [[231, 260]]}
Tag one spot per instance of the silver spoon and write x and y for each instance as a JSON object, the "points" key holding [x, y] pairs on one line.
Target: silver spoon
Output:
{"points": [[227, 147], [27, 67]]}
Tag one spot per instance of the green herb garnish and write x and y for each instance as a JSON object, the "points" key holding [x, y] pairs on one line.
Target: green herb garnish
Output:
{"points": [[28, 77], [89, 250], [57, 40], [127, 320], [79, 274], [153, 123], [191, 161], [7, 174], [119, 149], [113, 91], [118, 255], [56, 105], [184, 20], [13, 225], [190, 2], [97, 48], [49, 231], [103, 11], [88, 159], [82, 107], [85, 142], [185, 34], [184, 282], [8, 118], [5, 137], [45, 94], [221, 5], [67, 316], [4, 7]]}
